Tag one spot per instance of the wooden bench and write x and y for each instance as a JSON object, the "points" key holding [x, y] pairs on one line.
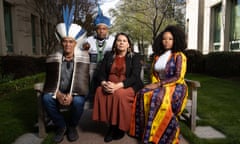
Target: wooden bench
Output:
{"points": [[191, 108], [189, 115]]}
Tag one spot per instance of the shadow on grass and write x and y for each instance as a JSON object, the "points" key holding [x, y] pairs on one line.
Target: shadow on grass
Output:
{"points": [[18, 114]]}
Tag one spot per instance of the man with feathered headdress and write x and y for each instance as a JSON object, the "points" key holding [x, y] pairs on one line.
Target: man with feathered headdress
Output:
{"points": [[66, 83], [97, 45]]}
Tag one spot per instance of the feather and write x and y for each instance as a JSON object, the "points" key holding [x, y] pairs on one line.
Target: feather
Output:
{"points": [[65, 17], [80, 33], [68, 16], [100, 13], [71, 14]]}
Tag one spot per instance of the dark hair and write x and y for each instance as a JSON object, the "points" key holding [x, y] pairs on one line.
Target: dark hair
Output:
{"points": [[114, 47], [179, 40]]}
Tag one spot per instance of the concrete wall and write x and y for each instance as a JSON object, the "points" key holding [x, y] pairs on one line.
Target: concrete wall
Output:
{"points": [[192, 23], [21, 29], [200, 24]]}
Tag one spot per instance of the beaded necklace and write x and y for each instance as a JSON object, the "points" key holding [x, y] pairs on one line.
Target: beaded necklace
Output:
{"points": [[101, 44]]}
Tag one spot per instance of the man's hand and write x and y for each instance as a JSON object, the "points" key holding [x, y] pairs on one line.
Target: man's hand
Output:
{"points": [[60, 97], [64, 99], [86, 46], [68, 100]]}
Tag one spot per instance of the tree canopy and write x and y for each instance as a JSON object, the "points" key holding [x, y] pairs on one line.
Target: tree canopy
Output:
{"points": [[50, 13], [144, 19]]}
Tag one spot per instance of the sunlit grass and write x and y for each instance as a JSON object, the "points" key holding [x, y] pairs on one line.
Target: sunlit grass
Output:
{"points": [[218, 106]]}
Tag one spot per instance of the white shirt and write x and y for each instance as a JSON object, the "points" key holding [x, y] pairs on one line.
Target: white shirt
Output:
{"points": [[161, 63], [93, 44]]}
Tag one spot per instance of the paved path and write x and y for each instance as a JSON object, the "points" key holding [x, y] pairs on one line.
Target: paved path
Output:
{"points": [[90, 132]]}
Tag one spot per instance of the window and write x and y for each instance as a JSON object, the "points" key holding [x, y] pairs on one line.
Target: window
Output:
{"points": [[42, 36], [8, 27], [235, 26], [33, 19], [217, 27]]}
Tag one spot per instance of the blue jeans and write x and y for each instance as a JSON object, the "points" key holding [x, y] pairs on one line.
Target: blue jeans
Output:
{"points": [[51, 105]]}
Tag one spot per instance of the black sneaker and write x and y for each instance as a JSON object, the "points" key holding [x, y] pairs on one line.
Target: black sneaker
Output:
{"points": [[60, 132], [72, 134]]}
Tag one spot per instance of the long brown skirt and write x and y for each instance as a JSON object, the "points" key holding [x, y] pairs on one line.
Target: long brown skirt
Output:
{"points": [[114, 108]]}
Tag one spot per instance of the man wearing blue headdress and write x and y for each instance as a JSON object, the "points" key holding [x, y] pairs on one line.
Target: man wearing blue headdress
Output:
{"points": [[97, 46], [66, 83]]}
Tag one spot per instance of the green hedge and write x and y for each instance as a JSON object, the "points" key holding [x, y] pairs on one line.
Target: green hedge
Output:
{"points": [[223, 64], [21, 83], [195, 61], [219, 64], [21, 66]]}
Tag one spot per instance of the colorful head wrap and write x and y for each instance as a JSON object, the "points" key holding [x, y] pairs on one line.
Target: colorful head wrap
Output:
{"points": [[101, 19]]}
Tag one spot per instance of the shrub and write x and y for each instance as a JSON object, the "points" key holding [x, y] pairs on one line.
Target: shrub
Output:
{"points": [[21, 66], [223, 64], [21, 83], [195, 61]]}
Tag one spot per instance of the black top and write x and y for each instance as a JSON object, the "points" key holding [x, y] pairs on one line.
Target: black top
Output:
{"points": [[133, 70]]}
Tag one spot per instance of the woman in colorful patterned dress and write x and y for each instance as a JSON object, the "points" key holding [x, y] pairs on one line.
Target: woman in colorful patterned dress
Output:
{"points": [[158, 105], [120, 80]]}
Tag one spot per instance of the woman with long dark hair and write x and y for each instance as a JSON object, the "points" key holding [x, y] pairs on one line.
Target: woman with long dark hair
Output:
{"points": [[158, 105]]}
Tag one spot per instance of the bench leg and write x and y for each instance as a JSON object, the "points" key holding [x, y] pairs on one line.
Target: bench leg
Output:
{"points": [[194, 109], [41, 124]]}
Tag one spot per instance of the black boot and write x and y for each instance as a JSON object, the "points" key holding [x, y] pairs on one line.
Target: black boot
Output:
{"points": [[109, 135], [72, 134], [59, 135], [118, 134]]}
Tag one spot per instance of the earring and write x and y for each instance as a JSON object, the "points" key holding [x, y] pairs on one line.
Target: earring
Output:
{"points": [[129, 49]]}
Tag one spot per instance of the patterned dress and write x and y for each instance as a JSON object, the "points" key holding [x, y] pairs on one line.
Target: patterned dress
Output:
{"points": [[155, 112]]}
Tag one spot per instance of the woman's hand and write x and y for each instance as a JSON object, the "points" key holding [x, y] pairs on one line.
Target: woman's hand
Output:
{"points": [[152, 86], [110, 87]]}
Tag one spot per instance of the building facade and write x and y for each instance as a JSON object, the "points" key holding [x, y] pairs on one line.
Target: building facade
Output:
{"points": [[20, 29], [213, 25]]}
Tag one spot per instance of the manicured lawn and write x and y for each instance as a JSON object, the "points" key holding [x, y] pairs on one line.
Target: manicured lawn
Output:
{"points": [[218, 106]]}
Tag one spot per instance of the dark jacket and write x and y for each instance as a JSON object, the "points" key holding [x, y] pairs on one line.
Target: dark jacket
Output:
{"points": [[133, 70], [80, 78]]}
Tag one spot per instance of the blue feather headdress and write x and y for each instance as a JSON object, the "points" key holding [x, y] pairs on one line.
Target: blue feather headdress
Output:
{"points": [[69, 29], [101, 19]]}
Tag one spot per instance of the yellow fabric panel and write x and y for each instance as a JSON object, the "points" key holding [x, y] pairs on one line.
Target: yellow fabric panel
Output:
{"points": [[166, 105], [147, 100], [154, 75], [176, 139]]}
